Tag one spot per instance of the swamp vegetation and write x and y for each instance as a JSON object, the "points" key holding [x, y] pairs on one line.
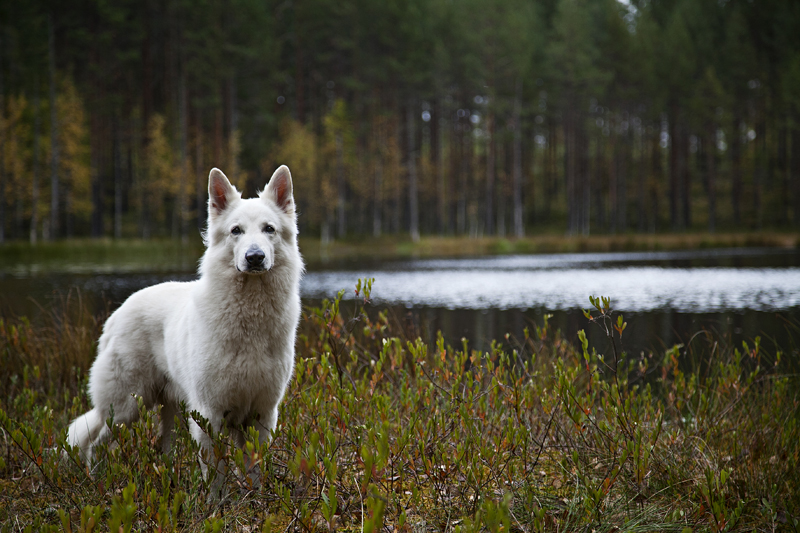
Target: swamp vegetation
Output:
{"points": [[379, 430]]}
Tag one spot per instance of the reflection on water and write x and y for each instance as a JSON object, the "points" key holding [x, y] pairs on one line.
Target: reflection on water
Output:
{"points": [[702, 281], [632, 288], [665, 295]]}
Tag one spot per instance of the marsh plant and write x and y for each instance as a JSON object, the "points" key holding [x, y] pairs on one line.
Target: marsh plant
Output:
{"points": [[383, 432]]}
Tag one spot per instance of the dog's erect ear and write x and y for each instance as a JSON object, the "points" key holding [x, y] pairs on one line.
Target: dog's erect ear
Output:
{"points": [[220, 192], [279, 189]]}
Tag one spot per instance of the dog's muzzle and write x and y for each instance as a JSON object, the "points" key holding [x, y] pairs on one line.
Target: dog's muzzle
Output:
{"points": [[255, 259]]}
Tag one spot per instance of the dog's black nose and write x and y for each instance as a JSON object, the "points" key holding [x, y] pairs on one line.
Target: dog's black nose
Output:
{"points": [[254, 257]]}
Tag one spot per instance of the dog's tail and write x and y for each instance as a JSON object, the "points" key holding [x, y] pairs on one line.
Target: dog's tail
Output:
{"points": [[84, 430]]}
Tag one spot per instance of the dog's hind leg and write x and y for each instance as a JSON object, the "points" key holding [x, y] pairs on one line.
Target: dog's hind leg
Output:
{"points": [[84, 431], [168, 412], [91, 429]]}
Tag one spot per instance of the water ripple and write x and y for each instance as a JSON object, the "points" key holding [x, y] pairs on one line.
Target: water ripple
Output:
{"points": [[633, 288]]}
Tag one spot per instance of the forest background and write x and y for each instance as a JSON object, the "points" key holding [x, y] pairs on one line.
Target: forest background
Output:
{"points": [[468, 117]]}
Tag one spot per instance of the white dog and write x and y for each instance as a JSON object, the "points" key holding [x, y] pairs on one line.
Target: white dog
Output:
{"points": [[224, 344]]}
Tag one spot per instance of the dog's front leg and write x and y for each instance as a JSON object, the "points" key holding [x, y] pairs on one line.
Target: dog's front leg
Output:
{"points": [[207, 453], [264, 423]]}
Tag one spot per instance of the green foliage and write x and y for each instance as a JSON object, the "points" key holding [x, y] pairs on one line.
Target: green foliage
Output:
{"points": [[379, 430], [74, 150], [298, 150], [149, 93]]}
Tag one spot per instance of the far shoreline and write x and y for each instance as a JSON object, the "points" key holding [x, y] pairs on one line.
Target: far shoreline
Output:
{"points": [[401, 247], [174, 254]]}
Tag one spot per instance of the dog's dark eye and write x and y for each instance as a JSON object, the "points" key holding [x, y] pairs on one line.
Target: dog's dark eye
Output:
{"points": [[236, 230], [269, 229]]}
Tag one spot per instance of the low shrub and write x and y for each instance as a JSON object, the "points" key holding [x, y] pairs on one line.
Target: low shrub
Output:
{"points": [[379, 430]]}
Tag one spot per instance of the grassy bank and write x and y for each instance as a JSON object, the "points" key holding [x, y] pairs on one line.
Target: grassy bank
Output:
{"points": [[95, 255], [381, 432], [90, 255], [370, 248]]}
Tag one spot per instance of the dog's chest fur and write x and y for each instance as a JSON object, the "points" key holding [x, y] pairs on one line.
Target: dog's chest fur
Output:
{"points": [[250, 337]]}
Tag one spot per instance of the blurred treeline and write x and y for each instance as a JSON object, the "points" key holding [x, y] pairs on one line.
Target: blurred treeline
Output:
{"points": [[473, 117]]}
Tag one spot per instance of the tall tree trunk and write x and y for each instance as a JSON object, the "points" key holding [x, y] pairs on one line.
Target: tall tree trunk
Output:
{"points": [[202, 187], [142, 179], [457, 176], [464, 176], [130, 172], [656, 177], [69, 217], [233, 129], [531, 184], [37, 126], [490, 173], [551, 172], [783, 172], [97, 181], [217, 138], [183, 119], [325, 230], [711, 177], [377, 198], [674, 168], [519, 225], [118, 192], [96, 141], [54, 193], [736, 170], [363, 201], [147, 70], [299, 65], [474, 223], [437, 159], [147, 109], [144, 211], [569, 168], [18, 218], [413, 199], [623, 169], [456, 153], [179, 66], [599, 181], [613, 176], [586, 184], [445, 180], [685, 175], [642, 181], [758, 171], [795, 171], [502, 191], [341, 226], [2, 147]]}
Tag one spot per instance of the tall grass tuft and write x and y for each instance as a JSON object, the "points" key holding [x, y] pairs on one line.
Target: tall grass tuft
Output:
{"points": [[380, 430], [55, 351]]}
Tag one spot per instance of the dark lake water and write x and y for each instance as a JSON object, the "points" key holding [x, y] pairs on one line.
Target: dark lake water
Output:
{"points": [[666, 297]]}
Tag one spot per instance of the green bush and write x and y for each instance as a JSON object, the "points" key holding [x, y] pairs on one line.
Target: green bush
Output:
{"points": [[379, 430]]}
